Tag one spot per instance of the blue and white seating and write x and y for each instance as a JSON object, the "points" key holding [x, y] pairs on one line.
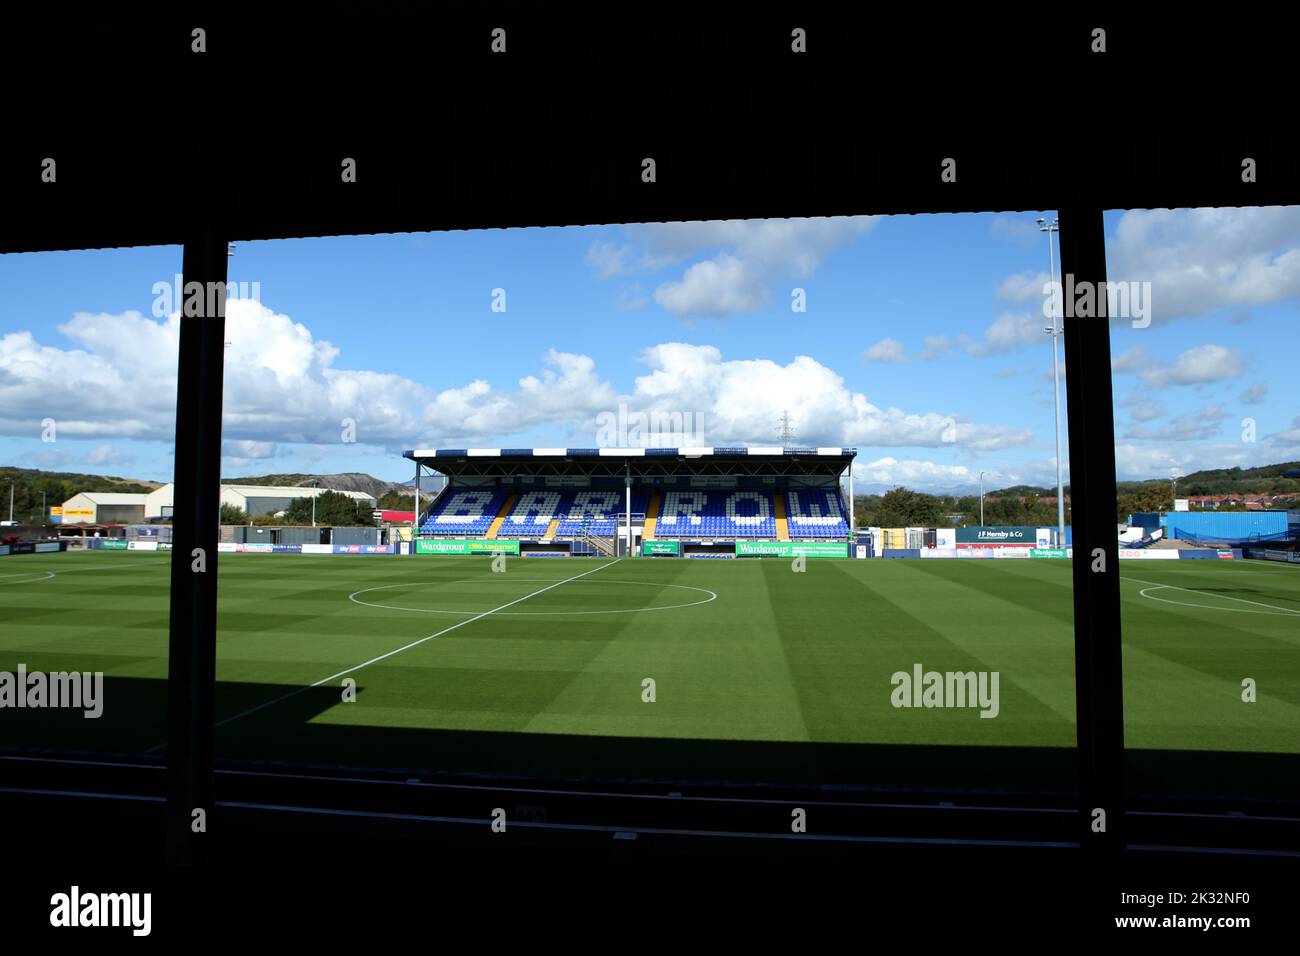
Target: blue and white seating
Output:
{"points": [[716, 514], [466, 512], [815, 513], [596, 512], [533, 513]]}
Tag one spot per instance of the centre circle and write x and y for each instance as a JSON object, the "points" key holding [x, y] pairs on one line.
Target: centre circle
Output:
{"points": [[354, 597]]}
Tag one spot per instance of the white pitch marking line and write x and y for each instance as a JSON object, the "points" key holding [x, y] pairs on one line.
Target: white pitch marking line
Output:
{"points": [[712, 596], [1156, 584], [49, 576], [406, 647]]}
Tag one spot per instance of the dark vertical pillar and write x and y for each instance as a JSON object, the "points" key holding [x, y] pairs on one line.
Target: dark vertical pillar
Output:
{"points": [[1099, 687], [192, 646]]}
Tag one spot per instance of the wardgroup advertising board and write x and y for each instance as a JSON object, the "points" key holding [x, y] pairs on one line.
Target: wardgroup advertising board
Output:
{"points": [[660, 547], [793, 549], [482, 546]]}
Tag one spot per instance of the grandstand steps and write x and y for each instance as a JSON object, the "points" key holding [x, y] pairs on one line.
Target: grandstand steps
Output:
{"points": [[778, 508], [499, 520], [602, 544], [552, 527], [651, 517]]}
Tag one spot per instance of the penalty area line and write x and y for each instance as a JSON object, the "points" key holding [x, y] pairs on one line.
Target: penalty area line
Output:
{"points": [[405, 647]]}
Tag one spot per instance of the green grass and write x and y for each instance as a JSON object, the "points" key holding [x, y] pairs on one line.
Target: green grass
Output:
{"points": [[793, 668]]}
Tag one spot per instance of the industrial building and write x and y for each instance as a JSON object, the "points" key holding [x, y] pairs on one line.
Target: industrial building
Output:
{"points": [[104, 507], [253, 500], [95, 507]]}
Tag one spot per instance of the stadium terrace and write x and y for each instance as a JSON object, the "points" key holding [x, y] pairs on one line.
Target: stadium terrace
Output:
{"points": [[697, 502]]}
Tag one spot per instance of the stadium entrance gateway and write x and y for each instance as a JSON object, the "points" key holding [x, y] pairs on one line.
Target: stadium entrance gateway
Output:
{"points": [[607, 502]]}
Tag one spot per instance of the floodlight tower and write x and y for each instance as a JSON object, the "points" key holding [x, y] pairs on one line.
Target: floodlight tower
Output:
{"points": [[981, 499], [1055, 332], [315, 483]]}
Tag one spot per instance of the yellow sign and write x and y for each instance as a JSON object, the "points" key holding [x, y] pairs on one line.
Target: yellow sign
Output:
{"points": [[79, 514], [56, 511]]}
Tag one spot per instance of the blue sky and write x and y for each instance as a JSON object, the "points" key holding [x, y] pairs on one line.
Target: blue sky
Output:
{"points": [[921, 345]]}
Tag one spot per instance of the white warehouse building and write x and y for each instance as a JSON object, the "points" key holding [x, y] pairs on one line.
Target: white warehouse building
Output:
{"points": [[104, 507], [253, 500]]}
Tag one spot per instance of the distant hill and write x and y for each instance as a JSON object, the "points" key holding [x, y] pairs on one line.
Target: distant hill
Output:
{"points": [[80, 482], [1266, 479], [33, 487], [348, 481]]}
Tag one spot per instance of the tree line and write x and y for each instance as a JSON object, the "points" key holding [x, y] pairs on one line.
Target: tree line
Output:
{"points": [[333, 509]]}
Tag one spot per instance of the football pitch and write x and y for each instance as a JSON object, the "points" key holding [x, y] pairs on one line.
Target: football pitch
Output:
{"points": [[666, 668]]}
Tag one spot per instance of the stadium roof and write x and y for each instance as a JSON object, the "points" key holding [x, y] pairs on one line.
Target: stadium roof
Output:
{"points": [[756, 451], [761, 460]]}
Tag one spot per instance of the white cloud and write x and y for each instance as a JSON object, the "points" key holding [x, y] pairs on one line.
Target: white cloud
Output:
{"points": [[631, 296], [283, 387], [106, 454], [1196, 426], [1145, 411], [938, 478], [743, 259], [892, 351], [714, 288], [608, 260], [1131, 360], [1255, 394], [1024, 287], [1289, 435], [1200, 260], [248, 450], [1017, 229], [935, 345], [1140, 462], [1200, 365], [886, 350], [794, 246], [1008, 331], [913, 473], [743, 399]]}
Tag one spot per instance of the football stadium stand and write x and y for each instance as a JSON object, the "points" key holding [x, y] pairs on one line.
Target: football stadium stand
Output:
{"points": [[717, 514], [816, 513], [569, 500], [467, 511]]}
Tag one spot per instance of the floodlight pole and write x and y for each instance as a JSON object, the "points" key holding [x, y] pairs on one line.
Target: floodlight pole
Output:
{"points": [[1055, 331], [315, 483], [853, 514], [12, 484], [415, 519], [981, 499]]}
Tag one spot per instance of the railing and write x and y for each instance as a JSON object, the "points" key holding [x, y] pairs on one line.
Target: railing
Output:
{"points": [[600, 543]]}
